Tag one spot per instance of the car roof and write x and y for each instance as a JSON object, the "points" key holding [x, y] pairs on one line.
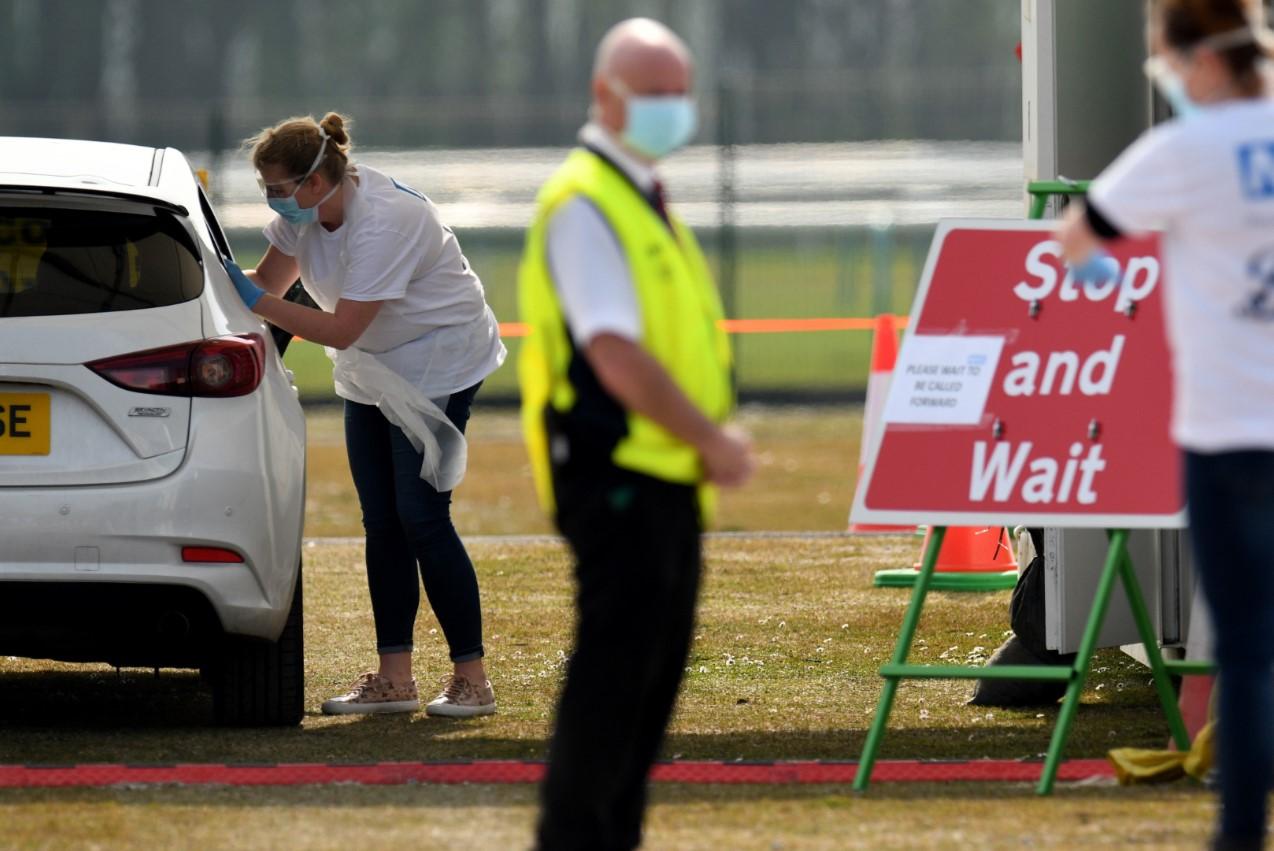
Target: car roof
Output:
{"points": [[83, 166]]}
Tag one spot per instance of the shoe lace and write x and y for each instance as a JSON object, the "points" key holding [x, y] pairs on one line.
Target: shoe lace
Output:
{"points": [[364, 682], [455, 686]]}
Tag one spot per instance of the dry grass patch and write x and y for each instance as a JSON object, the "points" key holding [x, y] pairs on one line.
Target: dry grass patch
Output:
{"points": [[807, 465], [681, 818], [783, 667]]}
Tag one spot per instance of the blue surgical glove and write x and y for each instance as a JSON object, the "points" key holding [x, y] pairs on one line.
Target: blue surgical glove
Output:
{"points": [[1097, 268], [248, 291]]}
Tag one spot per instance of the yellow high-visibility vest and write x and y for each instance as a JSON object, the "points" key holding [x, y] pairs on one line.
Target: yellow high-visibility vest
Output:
{"points": [[680, 313]]}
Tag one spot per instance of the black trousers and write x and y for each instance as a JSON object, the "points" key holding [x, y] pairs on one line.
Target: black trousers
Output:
{"points": [[636, 544]]}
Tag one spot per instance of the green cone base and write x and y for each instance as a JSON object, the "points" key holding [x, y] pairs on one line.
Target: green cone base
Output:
{"points": [[906, 577]]}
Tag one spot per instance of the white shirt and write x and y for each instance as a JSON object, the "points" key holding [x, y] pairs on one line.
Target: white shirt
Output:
{"points": [[1208, 183], [434, 328], [586, 261]]}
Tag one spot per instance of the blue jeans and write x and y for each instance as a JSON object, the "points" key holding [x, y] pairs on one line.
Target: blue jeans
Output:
{"points": [[408, 525], [1231, 500]]}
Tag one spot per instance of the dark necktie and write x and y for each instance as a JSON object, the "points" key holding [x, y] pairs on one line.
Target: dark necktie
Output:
{"points": [[658, 201]]}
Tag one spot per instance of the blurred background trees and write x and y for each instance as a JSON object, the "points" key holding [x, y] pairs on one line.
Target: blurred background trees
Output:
{"points": [[202, 74]]}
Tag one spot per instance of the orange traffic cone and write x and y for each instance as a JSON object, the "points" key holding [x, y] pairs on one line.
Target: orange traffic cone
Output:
{"points": [[884, 354], [971, 559]]}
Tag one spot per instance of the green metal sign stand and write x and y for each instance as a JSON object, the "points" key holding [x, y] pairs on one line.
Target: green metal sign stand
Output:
{"points": [[1041, 190], [1118, 568]]}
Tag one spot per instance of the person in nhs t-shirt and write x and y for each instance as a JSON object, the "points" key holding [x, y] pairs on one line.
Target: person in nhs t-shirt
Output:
{"points": [[411, 337], [1206, 179]]}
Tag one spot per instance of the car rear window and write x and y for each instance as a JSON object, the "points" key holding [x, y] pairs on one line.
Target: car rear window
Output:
{"points": [[57, 261]]}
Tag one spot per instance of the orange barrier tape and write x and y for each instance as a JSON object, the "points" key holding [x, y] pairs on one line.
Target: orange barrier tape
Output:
{"points": [[513, 330], [756, 326], [784, 326]]}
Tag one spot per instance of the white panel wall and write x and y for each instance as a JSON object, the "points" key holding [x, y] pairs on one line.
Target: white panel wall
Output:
{"points": [[1084, 97]]}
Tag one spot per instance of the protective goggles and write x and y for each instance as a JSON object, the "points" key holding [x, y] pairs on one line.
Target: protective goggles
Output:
{"points": [[266, 186]]}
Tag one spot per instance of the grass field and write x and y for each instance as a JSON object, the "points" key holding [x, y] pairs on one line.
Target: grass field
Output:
{"points": [[783, 667], [807, 461], [685, 818]]}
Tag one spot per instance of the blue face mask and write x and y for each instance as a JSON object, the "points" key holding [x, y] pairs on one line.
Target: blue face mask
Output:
{"points": [[293, 212], [657, 125], [288, 207], [1172, 88]]}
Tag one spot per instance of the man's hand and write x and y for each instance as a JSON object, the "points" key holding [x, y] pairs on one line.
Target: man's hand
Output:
{"points": [[640, 384], [727, 457]]}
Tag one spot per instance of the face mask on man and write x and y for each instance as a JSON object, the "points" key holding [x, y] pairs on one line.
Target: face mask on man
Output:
{"points": [[1171, 85], [656, 125], [288, 207]]}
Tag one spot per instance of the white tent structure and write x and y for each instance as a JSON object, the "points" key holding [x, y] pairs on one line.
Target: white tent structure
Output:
{"points": [[1084, 99], [1084, 96]]}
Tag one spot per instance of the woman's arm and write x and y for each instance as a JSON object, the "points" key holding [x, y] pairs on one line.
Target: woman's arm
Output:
{"points": [[275, 273], [1078, 239], [1083, 245], [339, 329]]}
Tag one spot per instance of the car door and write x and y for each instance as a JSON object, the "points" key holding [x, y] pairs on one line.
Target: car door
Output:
{"points": [[295, 293]]}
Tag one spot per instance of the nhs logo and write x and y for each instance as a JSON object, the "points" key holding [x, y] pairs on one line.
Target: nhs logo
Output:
{"points": [[1256, 170]]}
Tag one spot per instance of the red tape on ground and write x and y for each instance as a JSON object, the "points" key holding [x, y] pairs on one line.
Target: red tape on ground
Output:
{"points": [[512, 771]]}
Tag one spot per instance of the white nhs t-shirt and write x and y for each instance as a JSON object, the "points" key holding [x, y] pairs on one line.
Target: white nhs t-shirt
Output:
{"points": [[434, 328], [1208, 183]]}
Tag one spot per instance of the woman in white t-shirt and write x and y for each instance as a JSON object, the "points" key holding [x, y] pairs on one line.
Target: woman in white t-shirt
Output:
{"points": [[406, 322], [1206, 179]]}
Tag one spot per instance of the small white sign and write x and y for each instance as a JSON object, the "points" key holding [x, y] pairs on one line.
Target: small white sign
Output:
{"points": [[942, 379]]}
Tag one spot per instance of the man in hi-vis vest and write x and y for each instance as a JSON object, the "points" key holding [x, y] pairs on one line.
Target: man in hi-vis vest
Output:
{"points": [[625, 386]]}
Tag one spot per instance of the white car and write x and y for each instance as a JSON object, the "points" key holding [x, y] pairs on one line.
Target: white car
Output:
{"points": [[152, 448]]}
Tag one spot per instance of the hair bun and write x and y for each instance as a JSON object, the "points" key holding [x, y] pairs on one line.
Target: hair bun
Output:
{"points": [[334, 125]]}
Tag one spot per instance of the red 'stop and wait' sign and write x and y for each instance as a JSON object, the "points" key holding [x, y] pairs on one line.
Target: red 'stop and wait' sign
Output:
{"points": [[1020, 396]]}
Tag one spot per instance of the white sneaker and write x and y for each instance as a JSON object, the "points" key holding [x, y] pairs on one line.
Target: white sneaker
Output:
{"points": [[463, 698], [373, 694]]}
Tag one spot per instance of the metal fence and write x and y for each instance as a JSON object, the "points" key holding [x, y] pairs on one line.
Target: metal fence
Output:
{"points": [[792, 232], [739, 108]]}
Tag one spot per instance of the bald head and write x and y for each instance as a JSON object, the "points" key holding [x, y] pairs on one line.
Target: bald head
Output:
{"points": [[640, 57], [641, 51]]}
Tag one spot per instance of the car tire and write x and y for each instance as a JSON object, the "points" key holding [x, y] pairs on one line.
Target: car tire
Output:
{"points": [[262, 683]]}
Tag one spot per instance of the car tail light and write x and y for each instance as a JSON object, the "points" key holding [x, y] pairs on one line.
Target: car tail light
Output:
{"points": [[210, 555], [221, 367]]}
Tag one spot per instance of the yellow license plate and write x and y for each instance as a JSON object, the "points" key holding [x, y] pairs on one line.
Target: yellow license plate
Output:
{"points": [[25, 424]]}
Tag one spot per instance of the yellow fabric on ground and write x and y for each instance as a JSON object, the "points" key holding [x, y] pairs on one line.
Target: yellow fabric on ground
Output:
{"points": [[1202, 754], [1145, 765]]}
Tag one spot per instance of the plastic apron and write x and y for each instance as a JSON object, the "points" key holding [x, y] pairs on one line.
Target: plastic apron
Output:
{"points": [[361, 378]]}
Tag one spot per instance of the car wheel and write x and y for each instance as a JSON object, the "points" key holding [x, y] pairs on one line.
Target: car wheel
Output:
{"points": [[262, 683]]}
